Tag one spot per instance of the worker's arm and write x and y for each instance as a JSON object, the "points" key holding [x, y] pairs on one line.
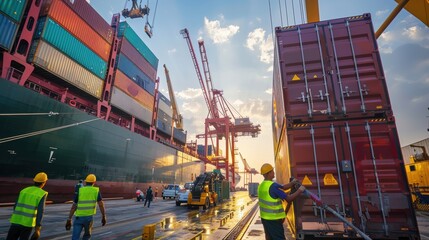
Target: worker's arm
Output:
{"points": [[72, 210], [102, 210], [291, 197], [290, 184], [40, 211]]}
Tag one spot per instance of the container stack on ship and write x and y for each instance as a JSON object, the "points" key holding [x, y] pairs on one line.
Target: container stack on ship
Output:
{"points": [[79, 95], [334, 130]]}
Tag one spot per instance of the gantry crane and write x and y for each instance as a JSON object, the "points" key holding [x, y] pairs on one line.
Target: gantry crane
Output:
{"points": [[247, 170], [218, 123]]}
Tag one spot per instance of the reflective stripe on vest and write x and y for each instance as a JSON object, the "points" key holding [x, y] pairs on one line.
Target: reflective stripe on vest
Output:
{"points": [[87, 200], [25, 211], [269, 208]]}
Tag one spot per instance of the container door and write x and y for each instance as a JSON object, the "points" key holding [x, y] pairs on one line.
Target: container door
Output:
{"points": [[355, 66], [302, 63], [355, 168]]}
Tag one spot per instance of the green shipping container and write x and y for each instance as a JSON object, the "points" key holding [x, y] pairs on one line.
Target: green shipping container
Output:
{"points": [[126, 31], [13, 8], [61, 39]]}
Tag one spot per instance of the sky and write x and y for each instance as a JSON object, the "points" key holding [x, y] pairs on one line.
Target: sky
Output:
{"points": [[237, 36]]}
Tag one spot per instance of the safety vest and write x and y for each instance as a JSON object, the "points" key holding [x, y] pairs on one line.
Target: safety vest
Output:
{"points": [[25, 211], [87, 200], [269, 208]]}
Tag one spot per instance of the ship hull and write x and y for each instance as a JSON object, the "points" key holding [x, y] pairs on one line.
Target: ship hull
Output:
{"points": [[68, 144]]}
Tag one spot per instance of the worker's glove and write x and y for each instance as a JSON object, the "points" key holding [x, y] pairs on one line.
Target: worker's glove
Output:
{"points": [[103, 220], [68, 224], [301, 188], [36, 233]]}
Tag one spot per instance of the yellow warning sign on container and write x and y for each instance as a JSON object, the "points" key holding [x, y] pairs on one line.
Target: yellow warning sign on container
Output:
{"points": [[329, 180], [306, 181], [295, 78]]}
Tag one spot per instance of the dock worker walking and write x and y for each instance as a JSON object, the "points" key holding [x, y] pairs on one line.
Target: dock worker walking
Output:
{"points": [[270, 196], [84, 207], [28, 210], [149, 197]]}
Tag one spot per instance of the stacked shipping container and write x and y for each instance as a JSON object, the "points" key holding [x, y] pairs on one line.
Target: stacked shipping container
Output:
{"points": [[10, 18], [135, 76], [334, 130]]}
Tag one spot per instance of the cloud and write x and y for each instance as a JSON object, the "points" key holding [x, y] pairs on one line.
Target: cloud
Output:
{"points": [[256, 40], [190, 93], [171, 51], [415, 33], [269, 91], [255, 108], [381, 13], [218, 34]]}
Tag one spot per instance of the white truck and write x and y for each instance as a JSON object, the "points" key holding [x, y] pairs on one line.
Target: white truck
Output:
{"points": [[182, 195], [171, 190]]}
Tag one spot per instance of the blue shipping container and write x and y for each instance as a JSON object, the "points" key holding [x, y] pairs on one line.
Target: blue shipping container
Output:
{"points": [[126, 31], [60, 38], [179, 135], [134, 73], [8, 31]]}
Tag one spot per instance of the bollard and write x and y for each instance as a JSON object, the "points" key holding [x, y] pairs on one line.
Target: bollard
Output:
{"points": [[149, 232]]}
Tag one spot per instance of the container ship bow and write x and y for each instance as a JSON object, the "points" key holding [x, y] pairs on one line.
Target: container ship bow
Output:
{"points": [[334, 130], [79, 95]]}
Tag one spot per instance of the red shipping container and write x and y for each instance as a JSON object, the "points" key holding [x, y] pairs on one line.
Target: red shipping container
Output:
{"points": [[133, 90], [353, 166], [68, 19], [91, 17], [331, 69], [128, 50]]}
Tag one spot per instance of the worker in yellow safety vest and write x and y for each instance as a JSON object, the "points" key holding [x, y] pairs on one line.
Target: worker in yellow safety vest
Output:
{"points": [[270, 196], [28, 210], [84, 208]]}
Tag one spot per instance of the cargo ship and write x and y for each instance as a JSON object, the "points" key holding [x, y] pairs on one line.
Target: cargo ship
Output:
{"points": [[78, 96], [334, 130]]}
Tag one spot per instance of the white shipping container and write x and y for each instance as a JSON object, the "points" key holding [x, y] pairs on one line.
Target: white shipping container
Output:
{"points": [[127, 104]]}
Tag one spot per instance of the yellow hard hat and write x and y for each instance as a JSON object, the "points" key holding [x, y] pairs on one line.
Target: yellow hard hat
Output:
{"points": [[40, 177], [266, 168], [91, 178]]}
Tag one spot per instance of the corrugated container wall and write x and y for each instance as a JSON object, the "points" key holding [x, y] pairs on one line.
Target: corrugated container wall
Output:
{"points": [[92, 18], [126, 31], [133, 72], [68, 19], [13, 8], [52, 60], [127, 104], [333, 130], [8, 31], [179, 135], [60, 38], [164, 105], [129, 51], [133, 90], [163, 126], [331, 69]]}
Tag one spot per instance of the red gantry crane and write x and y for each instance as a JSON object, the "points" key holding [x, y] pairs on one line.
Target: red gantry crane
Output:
{"points": [[218, 123]]}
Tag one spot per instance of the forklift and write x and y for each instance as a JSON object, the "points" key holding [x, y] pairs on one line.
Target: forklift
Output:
{"points": [[204, 192]]}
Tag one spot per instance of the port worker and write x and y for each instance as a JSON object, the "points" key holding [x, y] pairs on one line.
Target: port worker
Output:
{"points": [[84, 207], [149, 197], [270, 196], [139, 195], [28, 210]]}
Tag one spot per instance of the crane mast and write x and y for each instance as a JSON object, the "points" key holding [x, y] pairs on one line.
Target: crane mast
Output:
{"points": [[177, 117], [185, 34]]}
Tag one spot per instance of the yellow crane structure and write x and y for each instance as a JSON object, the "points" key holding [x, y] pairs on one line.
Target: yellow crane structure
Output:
{"points": [[177, 119]]}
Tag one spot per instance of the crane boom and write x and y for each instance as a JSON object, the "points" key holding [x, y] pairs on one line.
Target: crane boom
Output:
{"points": [[210, 91], [177, 117], [185, 34]]}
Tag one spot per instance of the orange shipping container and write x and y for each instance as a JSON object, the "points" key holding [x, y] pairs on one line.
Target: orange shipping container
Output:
{"points": [[69, 20], [133, 90]]}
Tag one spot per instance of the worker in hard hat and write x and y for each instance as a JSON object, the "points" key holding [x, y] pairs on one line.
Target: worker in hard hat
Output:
{"points": [[271, 195], [84, 207], [28, 210]]}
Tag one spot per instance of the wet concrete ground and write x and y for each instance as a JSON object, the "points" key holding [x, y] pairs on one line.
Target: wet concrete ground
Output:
{"points": [[126, 219]]}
